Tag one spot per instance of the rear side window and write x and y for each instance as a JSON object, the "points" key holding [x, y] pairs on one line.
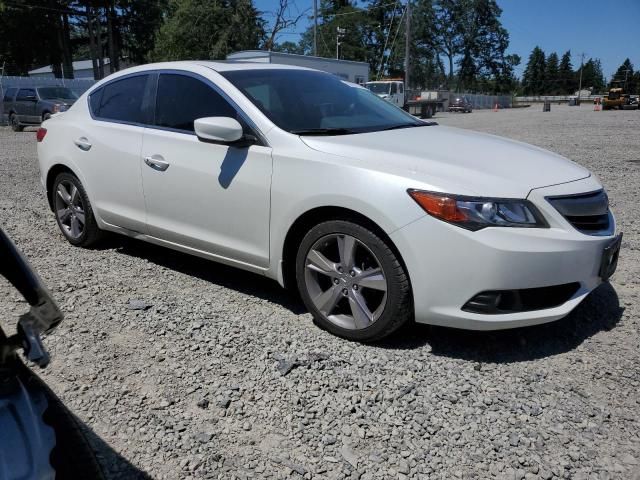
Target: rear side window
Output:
{"points": [[9, 94], [182, 99], [121, 100], [26, 93]]}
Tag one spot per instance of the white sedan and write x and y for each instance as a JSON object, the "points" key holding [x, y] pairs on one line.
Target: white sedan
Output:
{"points": [[376, 217]]}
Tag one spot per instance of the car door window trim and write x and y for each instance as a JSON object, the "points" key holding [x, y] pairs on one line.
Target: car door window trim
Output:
{"points": [[149, 102]]}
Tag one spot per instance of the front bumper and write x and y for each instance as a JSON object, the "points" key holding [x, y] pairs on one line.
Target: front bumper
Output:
{"points": [[449, 265]]}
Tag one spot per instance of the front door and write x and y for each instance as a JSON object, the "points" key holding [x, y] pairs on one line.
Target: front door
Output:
{"points": [[210, 197], [26, 105]]}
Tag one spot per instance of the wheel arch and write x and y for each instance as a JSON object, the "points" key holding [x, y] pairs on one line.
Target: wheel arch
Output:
{"points": [[53, 172], [314, 216]]}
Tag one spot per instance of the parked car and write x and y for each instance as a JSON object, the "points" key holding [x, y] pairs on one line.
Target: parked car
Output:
{"points": [[320, 184], [32, 105], [460, 104]]}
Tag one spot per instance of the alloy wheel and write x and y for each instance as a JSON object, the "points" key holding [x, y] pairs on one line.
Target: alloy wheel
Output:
{"points": [[345, 281], [70, 209]]}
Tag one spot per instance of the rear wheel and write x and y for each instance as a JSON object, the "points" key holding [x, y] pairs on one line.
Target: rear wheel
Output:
{"points": [[352, 281], [46, 116], [15, 123], [73, 211]]}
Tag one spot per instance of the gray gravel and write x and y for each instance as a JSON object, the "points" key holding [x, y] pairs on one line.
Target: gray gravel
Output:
{"points": [[186, 369]]}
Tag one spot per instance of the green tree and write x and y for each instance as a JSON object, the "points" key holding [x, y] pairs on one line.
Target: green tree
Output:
{"points": [[447, 31], [552, 75], [208, 29], [484, 44], [626, 74], [566, 76], [592, 76], [533, 78], [289, 47]]}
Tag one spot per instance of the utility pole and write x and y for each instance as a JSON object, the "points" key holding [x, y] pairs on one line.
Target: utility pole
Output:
{"points": [[407, 44], [580, 83], [339, 34], [315, 28]]}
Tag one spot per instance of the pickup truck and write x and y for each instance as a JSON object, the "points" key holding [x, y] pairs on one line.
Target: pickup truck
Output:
{"points": [[32, 105], [421, 104]]}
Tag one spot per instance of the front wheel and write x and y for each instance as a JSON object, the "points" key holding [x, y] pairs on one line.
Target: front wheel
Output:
{"points": [[352, 282], [73, 211]]}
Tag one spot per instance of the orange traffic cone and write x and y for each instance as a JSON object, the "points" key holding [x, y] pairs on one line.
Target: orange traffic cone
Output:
{"points": [[495, 107]]}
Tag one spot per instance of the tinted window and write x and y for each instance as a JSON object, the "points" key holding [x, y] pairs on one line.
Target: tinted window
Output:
{"points": [[24, 93], [122, 100], [309, 102], [94, 102], [8, 96], [181, 100], [51, 93]]}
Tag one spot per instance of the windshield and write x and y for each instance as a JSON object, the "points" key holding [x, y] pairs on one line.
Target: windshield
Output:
{"points": [[50, 93], [379, 88], [311, 102]]}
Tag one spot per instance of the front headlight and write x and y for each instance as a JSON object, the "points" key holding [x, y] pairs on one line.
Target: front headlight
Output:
{"points": [[475, 213], [57, 108]]}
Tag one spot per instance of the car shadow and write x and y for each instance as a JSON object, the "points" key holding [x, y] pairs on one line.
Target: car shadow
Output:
{"points": [[229, 277], [114, 465], [600, 311]]}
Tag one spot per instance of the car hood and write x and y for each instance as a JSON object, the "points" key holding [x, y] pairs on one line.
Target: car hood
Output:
{"points": [[453, 160]]}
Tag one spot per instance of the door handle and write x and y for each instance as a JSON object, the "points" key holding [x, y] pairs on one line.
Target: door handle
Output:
{"points": [[156, 162], [83, 144]]}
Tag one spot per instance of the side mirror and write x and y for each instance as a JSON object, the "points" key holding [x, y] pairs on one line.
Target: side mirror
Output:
{"points": [[218, 129]]}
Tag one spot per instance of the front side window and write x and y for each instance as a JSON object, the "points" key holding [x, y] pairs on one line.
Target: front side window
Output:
{"points": [[121, 100], [310, 102], [26, 94], [181, 99]]}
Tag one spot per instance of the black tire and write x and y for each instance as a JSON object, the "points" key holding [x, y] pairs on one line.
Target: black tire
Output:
{"points": [[90, 233], [46, 116], [398, 307], [15, 123], [73, 456]]}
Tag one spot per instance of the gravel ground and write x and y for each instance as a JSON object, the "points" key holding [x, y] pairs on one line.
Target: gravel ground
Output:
{"points": [[217, 373]]}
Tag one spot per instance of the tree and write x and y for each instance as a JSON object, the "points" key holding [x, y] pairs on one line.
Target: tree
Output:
{"points": [[484, 43], [592, 76], [626, 75], [552, 75], [566, 76], [283, 18], [208, 29], [448, 34], [288, 47], [533, 79]]}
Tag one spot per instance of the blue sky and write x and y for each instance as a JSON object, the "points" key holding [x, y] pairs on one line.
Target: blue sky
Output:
{"points": [[608, 30]]}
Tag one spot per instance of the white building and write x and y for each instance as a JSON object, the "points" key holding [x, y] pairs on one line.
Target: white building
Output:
{"points": [[356, 72], [81, 69]]}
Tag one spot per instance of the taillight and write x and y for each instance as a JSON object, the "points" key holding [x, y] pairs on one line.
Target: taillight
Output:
{"points": [[40, 134]]}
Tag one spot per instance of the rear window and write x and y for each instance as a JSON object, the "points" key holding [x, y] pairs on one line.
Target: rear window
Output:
{"points": [[9, 94], [121, 100]]}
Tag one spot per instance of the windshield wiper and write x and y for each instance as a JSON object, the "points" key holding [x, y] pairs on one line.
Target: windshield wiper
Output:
{"points": [[410, 125], [323, 131]]}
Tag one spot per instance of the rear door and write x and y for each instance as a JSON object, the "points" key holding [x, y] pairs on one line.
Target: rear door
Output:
{"points": [[211, 197], [108, 150]]}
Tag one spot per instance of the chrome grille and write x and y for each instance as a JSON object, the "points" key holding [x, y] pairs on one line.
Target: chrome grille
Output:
{"points": [[587, 212]]}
